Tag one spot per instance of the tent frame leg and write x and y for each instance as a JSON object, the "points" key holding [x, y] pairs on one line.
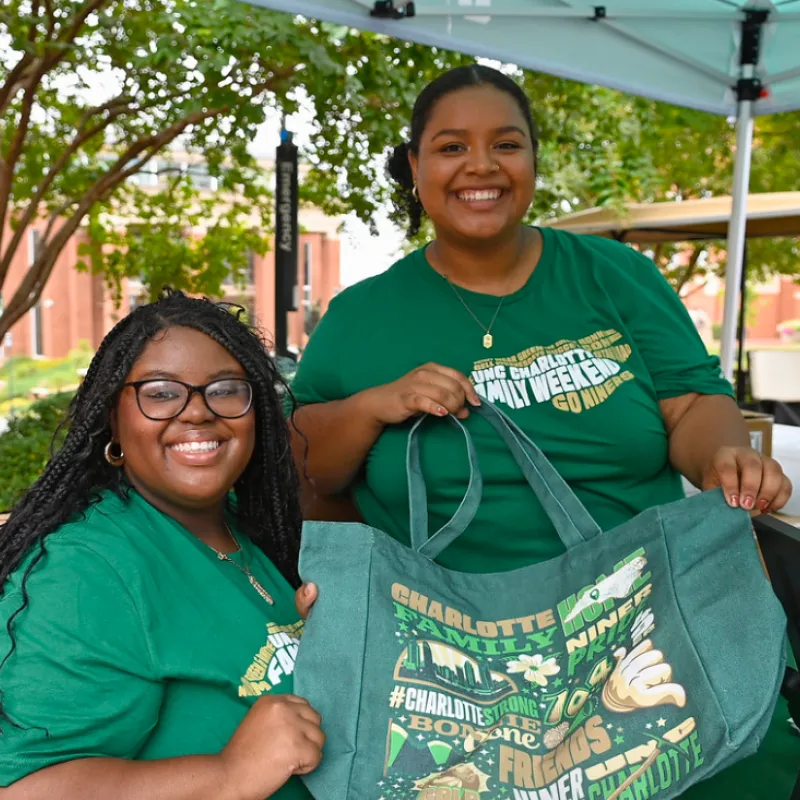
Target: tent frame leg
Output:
{"points": [[748, 90], [736, 234]]}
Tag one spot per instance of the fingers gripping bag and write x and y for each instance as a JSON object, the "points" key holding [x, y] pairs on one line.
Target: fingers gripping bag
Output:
{"points": [[642, 661]]}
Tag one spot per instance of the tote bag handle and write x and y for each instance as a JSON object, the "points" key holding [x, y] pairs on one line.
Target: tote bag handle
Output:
{"points": [[572, 521]]}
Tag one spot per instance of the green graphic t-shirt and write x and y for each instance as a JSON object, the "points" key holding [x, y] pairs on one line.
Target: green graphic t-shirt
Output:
{"points": [[139, 643], [580, 357]]}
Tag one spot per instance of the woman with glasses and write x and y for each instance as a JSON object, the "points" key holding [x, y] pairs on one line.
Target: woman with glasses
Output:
{"points": [[148, 628]]}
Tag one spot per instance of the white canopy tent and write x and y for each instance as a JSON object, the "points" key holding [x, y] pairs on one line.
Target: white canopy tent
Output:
{"points": [[732, 57]]}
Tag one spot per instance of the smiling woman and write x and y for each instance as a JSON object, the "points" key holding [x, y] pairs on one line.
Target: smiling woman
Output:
{"points": [[579, 340], [148, 624]]}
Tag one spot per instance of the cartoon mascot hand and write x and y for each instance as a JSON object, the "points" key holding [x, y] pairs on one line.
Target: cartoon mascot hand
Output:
{"points": [[641, 679]]}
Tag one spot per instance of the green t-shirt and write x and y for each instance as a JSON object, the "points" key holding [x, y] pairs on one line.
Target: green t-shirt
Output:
{"points": [[139, 643], [581, 356]]}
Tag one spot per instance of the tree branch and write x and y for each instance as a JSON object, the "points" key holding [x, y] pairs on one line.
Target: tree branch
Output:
{"points": [[691, 268], [118, 106], [83, 135], [17, 75], [78, 21], [32, 285], [694, 290], [9, 162], [30, 289]]}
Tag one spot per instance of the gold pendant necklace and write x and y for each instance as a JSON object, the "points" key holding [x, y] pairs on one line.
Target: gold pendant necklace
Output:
{"points": [[488, 339], [244, 569]]}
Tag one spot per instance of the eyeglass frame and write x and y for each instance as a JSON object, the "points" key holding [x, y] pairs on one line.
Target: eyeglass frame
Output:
{"points": [[193, 390]]}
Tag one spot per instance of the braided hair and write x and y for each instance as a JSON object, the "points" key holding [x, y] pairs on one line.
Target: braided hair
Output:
{"points": [[405, 199], [267, 504]]}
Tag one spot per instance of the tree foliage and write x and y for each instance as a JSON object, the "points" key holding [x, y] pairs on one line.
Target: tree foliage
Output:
{"points": [[92, 92], [604, 148]]}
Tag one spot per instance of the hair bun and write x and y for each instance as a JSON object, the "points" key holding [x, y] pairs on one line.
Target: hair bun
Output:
{"points": [[399, 168]]}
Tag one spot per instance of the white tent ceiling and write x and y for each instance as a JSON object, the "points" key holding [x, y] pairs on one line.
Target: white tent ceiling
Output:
{"points": [[731, 57], [682, 51]]}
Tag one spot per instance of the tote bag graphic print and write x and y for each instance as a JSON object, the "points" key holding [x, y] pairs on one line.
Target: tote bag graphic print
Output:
{"points": [[574, 701], [640, 662]]}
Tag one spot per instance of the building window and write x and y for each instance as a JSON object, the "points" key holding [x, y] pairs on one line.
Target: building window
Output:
{"points": [[37, 334], [198, 174], [37, 331], [250, 270], [147, 176], [248, 274], [306, 275], [136, 300], [311, 310]]}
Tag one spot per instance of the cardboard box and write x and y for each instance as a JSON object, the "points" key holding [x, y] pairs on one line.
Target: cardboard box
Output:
{"points": [[760, 427]]}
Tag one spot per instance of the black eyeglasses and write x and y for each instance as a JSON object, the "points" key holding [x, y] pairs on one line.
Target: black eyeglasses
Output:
{"points": [[229, 398]]}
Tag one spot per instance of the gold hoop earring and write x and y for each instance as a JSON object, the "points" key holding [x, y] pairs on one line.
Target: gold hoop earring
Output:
{"points": [[415, 193], [112, 458]]}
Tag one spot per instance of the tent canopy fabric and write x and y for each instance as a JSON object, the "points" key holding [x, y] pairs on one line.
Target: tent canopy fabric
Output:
{"points": [[684, 52], [731, 57], [769, 214]]}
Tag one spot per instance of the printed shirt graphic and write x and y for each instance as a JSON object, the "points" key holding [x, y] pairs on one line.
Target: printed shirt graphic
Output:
{"points": [[139, 643], [571, 375], [581, 356], [574, 702]]}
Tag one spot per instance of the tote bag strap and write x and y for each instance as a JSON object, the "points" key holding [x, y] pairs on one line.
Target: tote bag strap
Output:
{"points": [[418, 497], [572, 521]]}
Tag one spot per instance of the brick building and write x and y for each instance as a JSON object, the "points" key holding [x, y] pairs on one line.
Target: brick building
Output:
{"points": [[768, 305], [76, 306]]}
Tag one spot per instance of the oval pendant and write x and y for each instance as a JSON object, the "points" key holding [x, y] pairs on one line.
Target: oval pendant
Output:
{"points": [[488, 341]]}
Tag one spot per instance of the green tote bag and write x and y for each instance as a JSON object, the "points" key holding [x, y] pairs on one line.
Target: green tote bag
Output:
{"points": [[640, 662]]}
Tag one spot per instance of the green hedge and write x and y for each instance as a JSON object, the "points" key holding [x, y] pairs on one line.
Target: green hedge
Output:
{"points": [[25, 446]]}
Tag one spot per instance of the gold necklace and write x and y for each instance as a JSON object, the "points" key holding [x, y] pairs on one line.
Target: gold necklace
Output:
{"points": [[245, 569], [488, 339]]}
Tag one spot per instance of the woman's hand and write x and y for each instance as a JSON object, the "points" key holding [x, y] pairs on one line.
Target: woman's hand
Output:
{"points": [[750, 480], [280, 737], [430, 389], [304, 599]]}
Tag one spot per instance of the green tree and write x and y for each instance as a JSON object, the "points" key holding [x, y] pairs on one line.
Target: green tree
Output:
{"points": [[604, 148], [92, 91]]}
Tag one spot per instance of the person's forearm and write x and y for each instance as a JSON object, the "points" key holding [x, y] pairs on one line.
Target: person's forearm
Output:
{"points": [[331, 441], [708, 423], [185, 778]]}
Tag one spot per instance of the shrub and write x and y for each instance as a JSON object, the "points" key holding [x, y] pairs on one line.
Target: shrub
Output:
{"points": [[25, 446]]}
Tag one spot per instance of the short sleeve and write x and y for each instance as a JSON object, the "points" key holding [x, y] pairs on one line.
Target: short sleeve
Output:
{"points": [[664, 334], [319, 374], [79, 681]]}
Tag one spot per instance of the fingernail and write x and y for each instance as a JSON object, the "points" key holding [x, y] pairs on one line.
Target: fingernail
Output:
{"points": [[442, 412], [764, 505], [734, 501], [748, 503]]}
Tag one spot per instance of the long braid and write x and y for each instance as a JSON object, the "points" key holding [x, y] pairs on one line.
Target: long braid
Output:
{"points": [[268, 494]]}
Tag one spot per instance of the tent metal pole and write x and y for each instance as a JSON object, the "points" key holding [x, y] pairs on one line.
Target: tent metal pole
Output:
{"points": [[741, 368], [736, 234], [748, 91]]}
